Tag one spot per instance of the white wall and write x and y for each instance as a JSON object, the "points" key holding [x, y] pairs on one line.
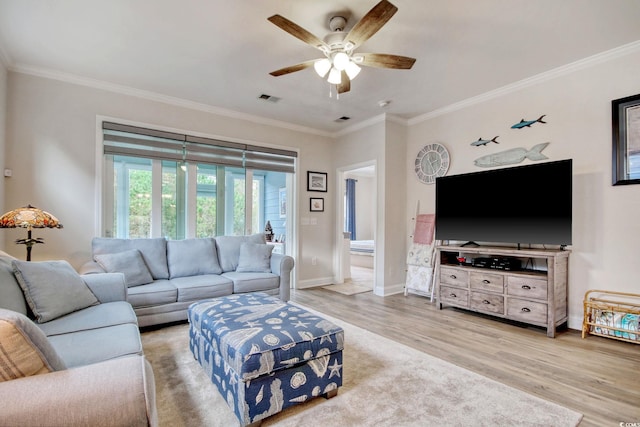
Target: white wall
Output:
{"points": [[3, 129], [578, 108], [395, 216], [52, 144]]}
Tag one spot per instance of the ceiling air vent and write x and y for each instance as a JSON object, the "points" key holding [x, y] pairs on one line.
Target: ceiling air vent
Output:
{"points": [[342, 119], [269, 98]]}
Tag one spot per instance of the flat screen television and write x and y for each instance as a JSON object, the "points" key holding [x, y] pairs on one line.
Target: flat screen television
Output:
{"points": [[520, 205]]}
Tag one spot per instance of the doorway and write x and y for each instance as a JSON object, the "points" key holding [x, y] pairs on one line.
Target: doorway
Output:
{"points": [[357, 207]]}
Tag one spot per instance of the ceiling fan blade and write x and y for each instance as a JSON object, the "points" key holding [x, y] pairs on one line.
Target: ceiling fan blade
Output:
{"points": [[371, 23], [383, 60], [345, 83], [293, 68], [297, 31]]}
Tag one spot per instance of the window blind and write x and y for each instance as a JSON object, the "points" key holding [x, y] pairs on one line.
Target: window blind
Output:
{"points": [[119, 139]]}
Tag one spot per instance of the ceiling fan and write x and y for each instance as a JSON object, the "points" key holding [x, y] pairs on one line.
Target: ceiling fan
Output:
{"points": [[341, 63]]}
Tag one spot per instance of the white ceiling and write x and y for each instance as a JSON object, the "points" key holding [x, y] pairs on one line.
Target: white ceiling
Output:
{"points": [[219, 53]]}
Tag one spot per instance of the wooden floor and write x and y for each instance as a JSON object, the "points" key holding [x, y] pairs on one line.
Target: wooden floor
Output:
{"points": [[595, 376]]}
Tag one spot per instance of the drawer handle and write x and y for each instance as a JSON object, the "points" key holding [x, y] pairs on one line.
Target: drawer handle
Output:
{"points": [[453, 276], [486, 282], [525, 310], [453, 295], [527, 287], [486, 302]]}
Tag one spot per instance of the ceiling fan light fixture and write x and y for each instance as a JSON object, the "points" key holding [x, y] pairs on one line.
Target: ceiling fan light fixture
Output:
{"points": [[352, 70], [322, 67], [341, 60], [335, 77]]}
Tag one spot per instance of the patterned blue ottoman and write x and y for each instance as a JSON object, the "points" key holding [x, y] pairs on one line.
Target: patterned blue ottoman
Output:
{"points": [[263, 354]]}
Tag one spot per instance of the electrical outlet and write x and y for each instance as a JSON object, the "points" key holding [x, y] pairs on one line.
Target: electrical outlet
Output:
{"points": [[314, 260]]}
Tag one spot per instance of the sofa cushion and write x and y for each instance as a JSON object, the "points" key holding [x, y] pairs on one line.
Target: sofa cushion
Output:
{"points": [[254, 258], [229, 249], [252, 282], [155, 293], [24, 349], [52, 288], [97, 316], [130, 263], [153, 250], [192, 257], [96, 345], [11, 296], [201, 287]]}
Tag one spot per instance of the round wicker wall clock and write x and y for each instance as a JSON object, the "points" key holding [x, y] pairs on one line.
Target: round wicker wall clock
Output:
{"points": [[432, 161]]}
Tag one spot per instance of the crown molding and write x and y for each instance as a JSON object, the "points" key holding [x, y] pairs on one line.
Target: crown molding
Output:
{"points": [[572, 67], [157, 97]]}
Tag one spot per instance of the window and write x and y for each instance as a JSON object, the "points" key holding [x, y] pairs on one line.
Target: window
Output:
{"points": [[206, 201], [176, 186]]}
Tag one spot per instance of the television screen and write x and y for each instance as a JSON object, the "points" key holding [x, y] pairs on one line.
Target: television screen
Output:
{"points": [[524, 204]]}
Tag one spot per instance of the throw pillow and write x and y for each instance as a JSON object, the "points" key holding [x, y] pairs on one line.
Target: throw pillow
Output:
{"points": [[192, 257], [52, 288], [11, 295], [254, 258], [153, 250], [229, 249], [24, 349], [130, 263]]}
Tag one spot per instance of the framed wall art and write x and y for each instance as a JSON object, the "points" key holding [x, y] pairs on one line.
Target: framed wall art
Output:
{"points": [[316, 181], [316, 204], [626, 140]]}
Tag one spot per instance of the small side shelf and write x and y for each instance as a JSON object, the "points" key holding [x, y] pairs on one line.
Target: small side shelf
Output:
{"points": [[536, 296], [612, 314]]}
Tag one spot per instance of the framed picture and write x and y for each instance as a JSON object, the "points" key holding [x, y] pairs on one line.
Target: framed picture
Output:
{"points": [[282, 202], [626, 140], [316, 181], [316, 204]]}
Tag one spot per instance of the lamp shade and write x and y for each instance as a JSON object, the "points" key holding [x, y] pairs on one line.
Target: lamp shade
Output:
{"points": [[340, 61], [29, 217], [322, 66], [335, 77], [352, 70]]}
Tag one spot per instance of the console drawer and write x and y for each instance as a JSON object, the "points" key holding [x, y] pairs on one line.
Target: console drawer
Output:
{"points": [[454, 276], [527, 287], [488, 303], [527, 311], [486, 281], [454, 296]]}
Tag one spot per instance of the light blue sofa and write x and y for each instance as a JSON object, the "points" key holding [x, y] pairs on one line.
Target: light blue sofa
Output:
{"points": [[165, 276], [84, 337]]}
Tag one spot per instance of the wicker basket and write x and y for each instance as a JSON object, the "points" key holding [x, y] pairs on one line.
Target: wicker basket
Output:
{"points": [[612, 314]]}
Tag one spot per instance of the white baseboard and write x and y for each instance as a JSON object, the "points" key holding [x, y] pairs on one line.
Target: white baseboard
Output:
{"points": [[312, 283], [389, 290]]}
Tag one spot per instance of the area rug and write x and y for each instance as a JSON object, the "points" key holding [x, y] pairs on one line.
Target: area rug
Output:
{"points": [[348, 288], [385, 384]]}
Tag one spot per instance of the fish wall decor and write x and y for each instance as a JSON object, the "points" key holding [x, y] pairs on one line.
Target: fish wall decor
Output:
{"points": [[527, 123], [512, 156], [481, 141]]}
